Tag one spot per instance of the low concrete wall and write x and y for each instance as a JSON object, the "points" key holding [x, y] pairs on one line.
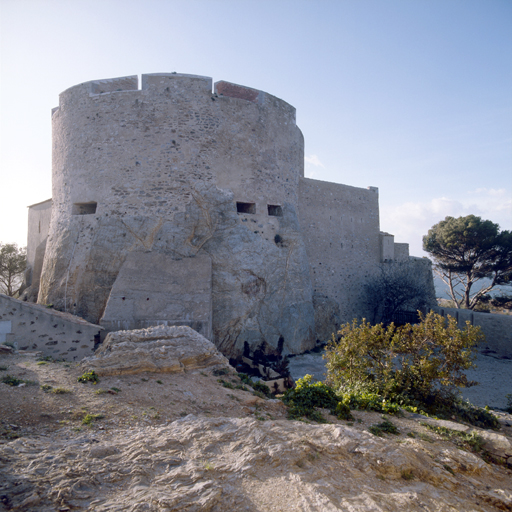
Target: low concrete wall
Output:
{"points": [[56, 334], [496, 328]]}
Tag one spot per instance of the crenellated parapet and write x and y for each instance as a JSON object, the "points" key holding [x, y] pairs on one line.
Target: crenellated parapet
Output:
{"points": [[176, 83], [112, 139]]}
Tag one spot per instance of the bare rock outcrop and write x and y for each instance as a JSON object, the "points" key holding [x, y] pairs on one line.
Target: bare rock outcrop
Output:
{"points": [[166, 349], [220, 464]]}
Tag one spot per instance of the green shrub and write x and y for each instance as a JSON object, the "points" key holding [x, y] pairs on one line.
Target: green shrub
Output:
{"points": [[420, 364], [468, 440], [262, 388], [468, 413], [88, 419], [369, 402], [91, 376], [11, 380], [342, 412], [307, 396], [60, 391], [385, 427], [225, 384]]}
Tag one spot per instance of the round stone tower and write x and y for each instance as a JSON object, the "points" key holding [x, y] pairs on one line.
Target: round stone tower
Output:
{"points": [[146, 177]]}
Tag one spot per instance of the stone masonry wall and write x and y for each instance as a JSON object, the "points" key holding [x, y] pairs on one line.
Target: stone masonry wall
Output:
{"points": [[341, 228], [176, 169], [496, 328], [39, 217], [154, 289], [55, 334]]}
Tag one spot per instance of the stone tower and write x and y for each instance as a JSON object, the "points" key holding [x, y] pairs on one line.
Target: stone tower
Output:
{"points": [[181, 204], [176, 204]]}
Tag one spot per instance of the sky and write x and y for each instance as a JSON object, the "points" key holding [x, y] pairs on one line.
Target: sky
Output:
{"points": [[411, 96]]}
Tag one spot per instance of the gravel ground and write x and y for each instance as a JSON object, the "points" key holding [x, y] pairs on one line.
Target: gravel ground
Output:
{"points": [[494, 376]]}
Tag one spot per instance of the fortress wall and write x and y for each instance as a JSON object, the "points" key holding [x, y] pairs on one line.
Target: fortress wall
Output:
{"points": [[141, 150], [401, 251], [387, 246], [496, 328], [154, 289], [177, 169], [340, 225], [39, 217]]}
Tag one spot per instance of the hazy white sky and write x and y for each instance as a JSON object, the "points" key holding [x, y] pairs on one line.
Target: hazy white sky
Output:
{"points": [[411, 96]]}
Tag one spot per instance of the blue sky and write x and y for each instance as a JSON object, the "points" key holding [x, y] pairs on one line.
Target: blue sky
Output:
{"points": [[411, 96]]}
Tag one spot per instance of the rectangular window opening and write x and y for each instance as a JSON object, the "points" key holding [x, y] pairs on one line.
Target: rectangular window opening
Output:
{"points": [[84, 208], [275, 210], [245, 207]]}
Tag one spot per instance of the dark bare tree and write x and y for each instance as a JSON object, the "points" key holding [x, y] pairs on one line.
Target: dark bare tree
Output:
{"points": [[397, 288]]}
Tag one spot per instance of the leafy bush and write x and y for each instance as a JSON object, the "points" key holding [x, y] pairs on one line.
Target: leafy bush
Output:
{"points": [[262, 388], [60, 391], [308, 395], [88, 419], [369, 402], [91, 376], [469, 413], [10, 380], [469, 440], [385, 427], [420, 364]]}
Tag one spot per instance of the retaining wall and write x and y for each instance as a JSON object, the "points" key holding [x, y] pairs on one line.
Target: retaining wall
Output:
{"points": [[56, 334]]}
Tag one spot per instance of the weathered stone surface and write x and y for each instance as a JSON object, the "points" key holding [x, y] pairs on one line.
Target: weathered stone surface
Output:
{"points": [[6, 349], [184, 441], [221, 464], [327, 317], [155, 289], [156, 349], [261, 291], [496, 444]]}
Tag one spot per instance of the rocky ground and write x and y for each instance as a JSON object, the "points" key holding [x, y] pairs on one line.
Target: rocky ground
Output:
{"points": [[188, 441]]}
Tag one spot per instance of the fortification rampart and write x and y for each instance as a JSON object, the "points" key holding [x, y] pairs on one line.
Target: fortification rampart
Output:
{"points": [[39, 218], [179, 169], [175, 170], [120, 150], [496, 328], [341, 228]]}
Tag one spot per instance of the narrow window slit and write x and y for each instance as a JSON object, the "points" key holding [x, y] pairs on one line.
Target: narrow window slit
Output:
{"points": [[245, 207], [84, 208], [275, 210]]}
